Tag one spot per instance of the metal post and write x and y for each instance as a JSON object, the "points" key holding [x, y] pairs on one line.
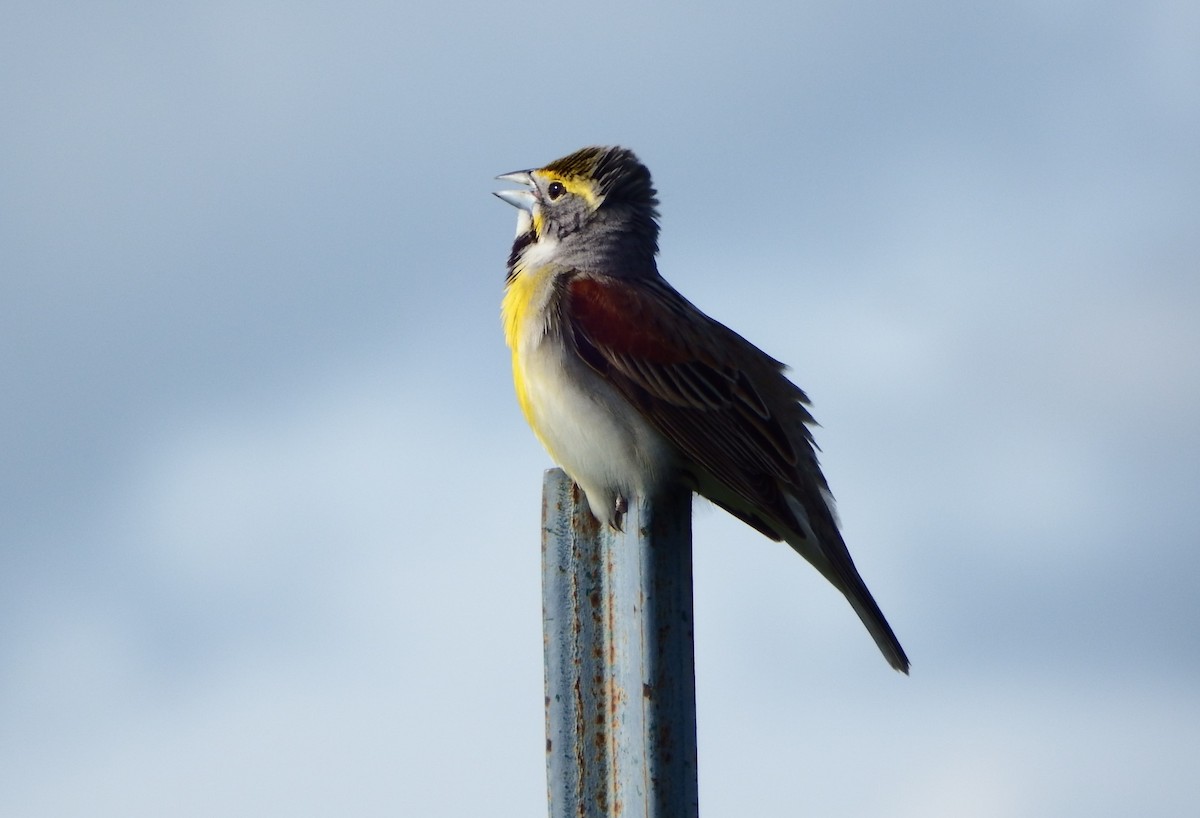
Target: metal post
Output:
{"points": [[620, 674]]}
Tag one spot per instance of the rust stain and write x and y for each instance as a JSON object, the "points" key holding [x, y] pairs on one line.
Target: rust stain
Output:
{"points": [[578, 734]]}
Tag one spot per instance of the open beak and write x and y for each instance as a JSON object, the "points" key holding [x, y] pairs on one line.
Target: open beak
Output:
{"points": [[522, 199]]}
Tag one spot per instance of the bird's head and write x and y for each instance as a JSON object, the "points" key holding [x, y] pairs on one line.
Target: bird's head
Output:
{"points": [[594, 208]]}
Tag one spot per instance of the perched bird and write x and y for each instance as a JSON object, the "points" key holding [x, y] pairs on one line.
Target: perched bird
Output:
{"points": [[631, 388]]}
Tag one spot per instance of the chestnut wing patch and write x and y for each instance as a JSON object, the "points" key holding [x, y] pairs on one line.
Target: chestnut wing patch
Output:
{"points": [[675, 365]]}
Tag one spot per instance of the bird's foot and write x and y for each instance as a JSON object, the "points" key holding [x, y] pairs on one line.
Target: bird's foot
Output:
{"points": [[620, 506]]}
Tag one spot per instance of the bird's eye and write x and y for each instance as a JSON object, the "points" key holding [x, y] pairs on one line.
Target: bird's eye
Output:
{"points": [[555, 190]]}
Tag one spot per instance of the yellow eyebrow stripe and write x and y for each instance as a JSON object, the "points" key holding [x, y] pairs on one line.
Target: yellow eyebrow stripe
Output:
{"points": [[582, 188]]}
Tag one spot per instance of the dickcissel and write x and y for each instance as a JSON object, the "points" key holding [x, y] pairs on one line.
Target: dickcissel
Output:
{"points": [[631, 388]]}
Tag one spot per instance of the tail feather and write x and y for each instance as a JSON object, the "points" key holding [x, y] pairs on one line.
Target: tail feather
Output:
{"points": [[829, 555], [864, 605], [827, 552]]}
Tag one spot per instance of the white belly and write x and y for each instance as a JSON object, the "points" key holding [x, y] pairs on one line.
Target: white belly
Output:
{"points": [[597, 437]]}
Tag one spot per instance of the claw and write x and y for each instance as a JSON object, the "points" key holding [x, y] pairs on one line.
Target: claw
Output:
{"points": [[619, 509]]}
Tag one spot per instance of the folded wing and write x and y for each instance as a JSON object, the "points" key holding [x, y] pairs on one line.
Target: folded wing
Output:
{"points": [[729, 409]]}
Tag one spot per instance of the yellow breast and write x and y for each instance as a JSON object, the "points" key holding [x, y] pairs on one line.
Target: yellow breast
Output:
{"points": [[523, 313]]}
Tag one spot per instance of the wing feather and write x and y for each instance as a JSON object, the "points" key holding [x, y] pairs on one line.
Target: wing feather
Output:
{"points": [[679, 368], [729, 409]]}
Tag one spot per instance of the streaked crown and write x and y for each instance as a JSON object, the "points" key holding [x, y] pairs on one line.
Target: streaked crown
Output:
{"points": [[614, 173]]}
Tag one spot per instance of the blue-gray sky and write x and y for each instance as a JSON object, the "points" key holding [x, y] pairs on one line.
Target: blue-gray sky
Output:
{"points": [[269, 513]]}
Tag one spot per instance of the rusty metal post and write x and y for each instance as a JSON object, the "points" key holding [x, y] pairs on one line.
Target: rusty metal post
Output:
{"points": [[620, 673]]}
